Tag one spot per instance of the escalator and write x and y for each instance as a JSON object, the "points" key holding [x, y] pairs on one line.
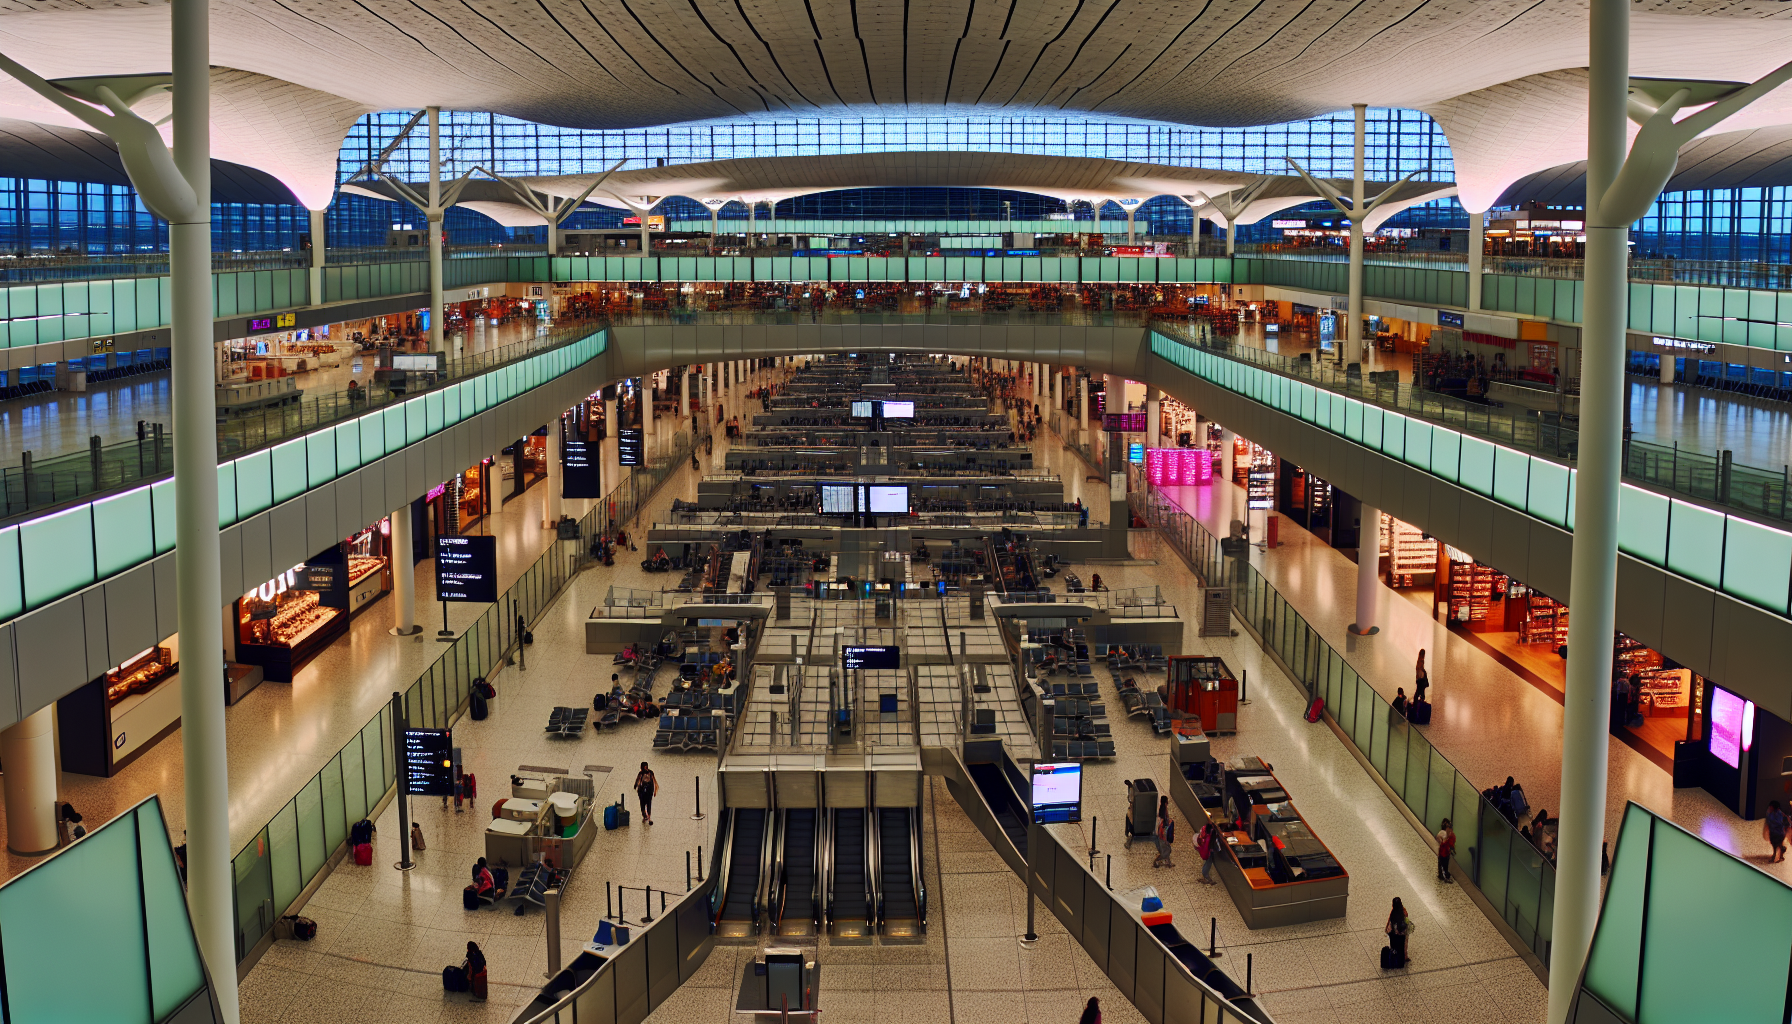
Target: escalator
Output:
{"points": [[1011, 815], [850, 910], [741, 889], [901, 895], [796, 909]]}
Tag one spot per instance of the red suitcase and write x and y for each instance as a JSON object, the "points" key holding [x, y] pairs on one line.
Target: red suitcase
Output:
{"points": [[364, 854]]}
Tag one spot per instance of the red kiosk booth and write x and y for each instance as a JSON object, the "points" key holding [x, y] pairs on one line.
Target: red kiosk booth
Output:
{"points": [[1206, 689]]}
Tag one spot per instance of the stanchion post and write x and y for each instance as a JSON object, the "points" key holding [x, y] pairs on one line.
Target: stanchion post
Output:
{"points": [[609, 907], [699, 863], [1094, 827], [552, 906], [697, 791], [1110, 872], [1247, 972], [687, 871], [647, 916], [1213, 940]]}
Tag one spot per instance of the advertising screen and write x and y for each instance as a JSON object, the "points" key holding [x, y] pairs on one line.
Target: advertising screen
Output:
{"points": [[1123, 422], [428, 762], [628, 446], [870, 657], [1732, 726], [863, 409], [838, 499], [467, 569], [1057, 792], [888, 499], [1135, 452], [899, 410], [1173, 467]]}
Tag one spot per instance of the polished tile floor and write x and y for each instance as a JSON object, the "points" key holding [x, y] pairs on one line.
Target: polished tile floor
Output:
{"points": [[384, 936]]}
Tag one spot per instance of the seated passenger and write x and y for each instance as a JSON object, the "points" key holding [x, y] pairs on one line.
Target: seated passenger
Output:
{"points": [[482, 878], [1095, 582]]}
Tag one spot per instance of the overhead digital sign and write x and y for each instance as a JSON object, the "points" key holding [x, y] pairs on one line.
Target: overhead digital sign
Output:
{"points": [[467, 569], [887, 499], [428, 762], [870, 658], [1123, 422], [1057, 792], [579, 471], [629, 446], [838, 499]]}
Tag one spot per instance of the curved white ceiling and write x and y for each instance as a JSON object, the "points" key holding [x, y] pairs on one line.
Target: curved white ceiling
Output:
{"points": [[295, 72]]}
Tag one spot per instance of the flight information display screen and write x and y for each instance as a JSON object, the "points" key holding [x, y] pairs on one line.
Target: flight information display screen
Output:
{"points": [[888, 499], [1057, 792], [838, 499], [863, 409], [899, 410], [870, 657]]}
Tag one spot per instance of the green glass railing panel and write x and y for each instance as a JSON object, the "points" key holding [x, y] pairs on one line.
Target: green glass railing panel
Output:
{"points": [[175, 971], [1394, 774]]}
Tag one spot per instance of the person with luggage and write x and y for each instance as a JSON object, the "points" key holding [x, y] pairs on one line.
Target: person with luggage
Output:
{"points": [[474, 969], [646, 788], [1446, 847], [1091, 1012], [1208, 846], [1421, 679], [1398, 929], [483, 882], [1399, 701]]}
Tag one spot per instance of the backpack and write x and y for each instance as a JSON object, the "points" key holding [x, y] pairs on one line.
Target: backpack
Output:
{"points": [[1169, 830], [1204, 845]]}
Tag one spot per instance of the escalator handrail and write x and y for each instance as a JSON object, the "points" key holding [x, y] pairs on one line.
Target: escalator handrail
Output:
{"points": [[817, 890], [874, 852], [917, 876], [762, 884], [774, 907], [870, 892], [824, 867], [719, 898]]}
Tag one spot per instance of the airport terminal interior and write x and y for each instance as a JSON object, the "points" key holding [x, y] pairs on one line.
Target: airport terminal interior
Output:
{"points": [[950, 514]]}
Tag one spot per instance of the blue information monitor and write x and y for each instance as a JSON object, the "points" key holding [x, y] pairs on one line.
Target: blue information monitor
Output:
{"points": [[1057, 792]]}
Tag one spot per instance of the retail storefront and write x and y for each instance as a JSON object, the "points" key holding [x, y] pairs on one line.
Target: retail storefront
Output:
{"points": [[107, 724], [523, 464], [451, 508], [286, 621]]}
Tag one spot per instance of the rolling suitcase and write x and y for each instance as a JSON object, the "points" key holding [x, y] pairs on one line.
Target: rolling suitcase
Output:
{"points": [[610, 817], [1391, 960], [476, 707], [469, 897], [1419, 712], [364, 854], [1315, 709], [454, 979]]}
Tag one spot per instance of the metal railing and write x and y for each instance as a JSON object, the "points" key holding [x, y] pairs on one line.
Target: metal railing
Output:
{"points": [[1708, 476], [1513, 874], [1725, 273], [24, 267], [299, 843], [104, 467]]}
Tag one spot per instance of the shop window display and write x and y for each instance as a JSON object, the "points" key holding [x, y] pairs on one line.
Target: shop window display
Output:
{"points": [[104, 726]]}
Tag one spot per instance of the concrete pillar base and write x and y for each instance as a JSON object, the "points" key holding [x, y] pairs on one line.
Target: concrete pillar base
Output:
{"points": [[1371, 631], [412, 631]]}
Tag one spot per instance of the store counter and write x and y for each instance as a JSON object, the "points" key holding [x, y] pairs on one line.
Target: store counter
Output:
{"points": [[1276, 871]]}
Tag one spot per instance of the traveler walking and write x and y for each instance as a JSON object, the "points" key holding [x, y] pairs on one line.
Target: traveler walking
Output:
{"points": [[646, 788], [1091, 1012], [1399, 929], [1208, 846], [1446, 845], [1421, 680], [1773, 829], [1166, 835]]}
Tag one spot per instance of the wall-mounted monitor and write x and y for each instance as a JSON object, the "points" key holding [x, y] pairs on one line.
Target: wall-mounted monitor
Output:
{"points": [[887, 499], [870, 657], [899, 410], [1057, 792], [864, 410], [839, 499]]}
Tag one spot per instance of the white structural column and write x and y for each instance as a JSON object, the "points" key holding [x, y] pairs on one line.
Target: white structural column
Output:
{"points": [[404, 576], [1153, 417], [1667, 368], [1082, 406], [1620, 189], [556, 463], [1477, 240], [649, 445], [1368, 571], [317, 257], [1130, 228], [1592, 591], [435, 212], [28, 750], [684, 394], [610, 464], [199, 594]]}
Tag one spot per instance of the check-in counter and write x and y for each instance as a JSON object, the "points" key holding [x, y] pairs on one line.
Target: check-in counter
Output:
{"points": [[1276, 870], [556, 830]]}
